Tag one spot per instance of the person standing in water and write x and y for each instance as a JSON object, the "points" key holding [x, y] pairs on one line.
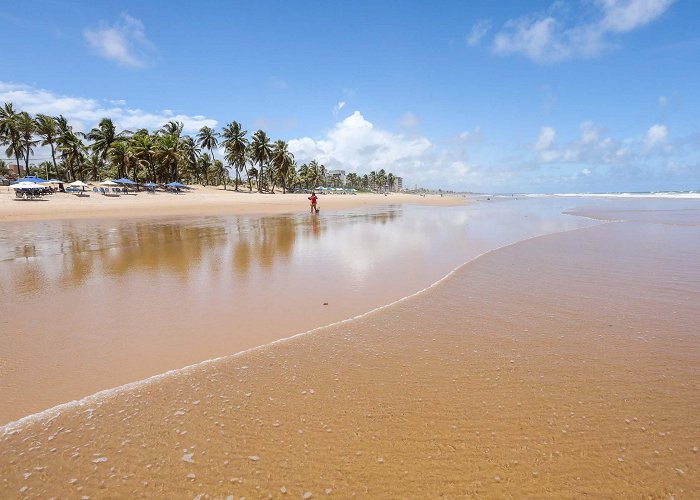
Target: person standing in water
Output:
{"points": [[313, 202]]}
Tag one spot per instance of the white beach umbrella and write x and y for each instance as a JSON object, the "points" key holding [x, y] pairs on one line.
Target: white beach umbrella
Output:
{"points": [[108, 183], [78, 184], [25, 185]]}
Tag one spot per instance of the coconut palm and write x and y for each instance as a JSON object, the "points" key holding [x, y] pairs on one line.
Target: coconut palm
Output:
{"points": [[204, 164], [47, 129], [282, 162], [207, 139], [103, 136], [235, 144], [9, 133], [121, 155], [190, 156], [390, 179], [168, 156], [221, 172], [143, 151], [26, 128], [72, 150], [173, 127], [260, 151]]}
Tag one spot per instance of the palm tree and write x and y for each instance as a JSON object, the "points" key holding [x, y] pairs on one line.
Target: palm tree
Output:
{"points": [[47, 129], [103, 136], [261, 151], [381, 179], [282, 162], [390, 179], [205, 164], [167, 153], [26, 127], [121, 155], [303, 175], [235, 144], [190, 155], [72, 150], [143, 151], [221, 172], [9, 133], [172, 128], [373, 179], [207, 139]]}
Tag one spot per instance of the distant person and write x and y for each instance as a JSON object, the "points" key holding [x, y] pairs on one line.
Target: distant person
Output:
{"points": [[314, 208]]}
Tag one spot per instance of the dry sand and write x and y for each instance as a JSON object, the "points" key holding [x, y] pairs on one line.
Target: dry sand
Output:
{"points": [[198, 201], [563, 366]]}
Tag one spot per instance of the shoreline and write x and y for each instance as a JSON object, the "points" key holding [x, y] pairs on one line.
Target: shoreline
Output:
{"points": [[200, 201], [399, 401], [102, 395]]}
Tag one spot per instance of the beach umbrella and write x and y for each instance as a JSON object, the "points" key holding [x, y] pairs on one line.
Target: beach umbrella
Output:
{"points": [[25, 185], [150, 185], [176, 185], [30, 178], [78, 184], [124, 180], [54, 181], [108, 183]]}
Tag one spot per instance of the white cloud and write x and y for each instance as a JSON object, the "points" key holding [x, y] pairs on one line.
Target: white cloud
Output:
{"points": [[124, 42], [592, 148], [548, 38], [589, 133], [470, 136], [625, 15], [586, 172], [655, 136], [478, 31], [545, 139], [338, 107], [356, 145], [84, 113]]}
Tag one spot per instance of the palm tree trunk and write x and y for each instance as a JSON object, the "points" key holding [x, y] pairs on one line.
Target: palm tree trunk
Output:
{"points": [[26, 162], [19, 165]]}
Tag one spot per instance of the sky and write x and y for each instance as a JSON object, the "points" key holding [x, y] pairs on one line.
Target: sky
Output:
{"points": [[483, 96]]}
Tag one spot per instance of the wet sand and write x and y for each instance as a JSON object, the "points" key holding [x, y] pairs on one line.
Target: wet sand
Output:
{"points": [[100, 303], [565, 365], [201, 200]]}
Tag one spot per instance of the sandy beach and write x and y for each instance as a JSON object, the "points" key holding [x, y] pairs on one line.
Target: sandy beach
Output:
{"points": [[200, 200], [563, 365]]}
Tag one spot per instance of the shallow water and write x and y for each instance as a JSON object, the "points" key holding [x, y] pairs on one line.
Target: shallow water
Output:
{"points": [[562, 366], [95, 304]]}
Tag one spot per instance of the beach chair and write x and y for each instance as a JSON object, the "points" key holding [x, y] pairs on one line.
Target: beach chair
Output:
{"points": [[95, 189]]}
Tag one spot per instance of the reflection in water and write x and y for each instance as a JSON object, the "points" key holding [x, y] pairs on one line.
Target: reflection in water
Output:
{"points": [[96, 304], [112, 249]]}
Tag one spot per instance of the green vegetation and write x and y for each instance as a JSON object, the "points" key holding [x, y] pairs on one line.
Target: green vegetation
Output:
{"points": [[166, 155]]}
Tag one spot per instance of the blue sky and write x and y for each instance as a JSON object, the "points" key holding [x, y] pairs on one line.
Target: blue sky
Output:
{"points": [[508, 96]]}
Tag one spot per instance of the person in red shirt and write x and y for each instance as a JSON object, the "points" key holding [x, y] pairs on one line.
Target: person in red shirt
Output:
{"points": [[313, 202]]}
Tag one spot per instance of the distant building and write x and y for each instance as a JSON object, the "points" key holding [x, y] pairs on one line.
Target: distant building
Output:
{"points": [[14, 169], [398, 184], [336, 178]]}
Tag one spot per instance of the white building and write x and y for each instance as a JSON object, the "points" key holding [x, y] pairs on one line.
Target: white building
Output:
{"points": [[336, 178]]}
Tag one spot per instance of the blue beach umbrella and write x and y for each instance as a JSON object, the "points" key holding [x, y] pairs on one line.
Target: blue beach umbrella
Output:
{"points": [[30, 178], [150, 185], [124, 180], [176, 185]]}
